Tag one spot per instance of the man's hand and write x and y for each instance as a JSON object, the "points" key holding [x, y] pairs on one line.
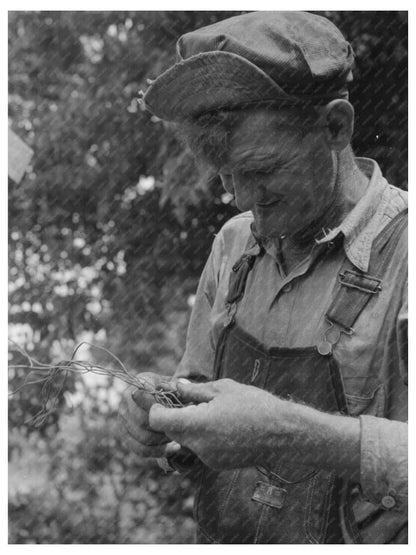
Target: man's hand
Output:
{"points": [[233, 425], [134, 419], [229, 427]]}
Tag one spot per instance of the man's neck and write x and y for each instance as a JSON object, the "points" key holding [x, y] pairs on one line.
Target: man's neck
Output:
{"points": [[350, 186]]}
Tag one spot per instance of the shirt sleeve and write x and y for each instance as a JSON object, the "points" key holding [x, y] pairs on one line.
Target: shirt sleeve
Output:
{"points": [[384, 444], [198, 359], [384, 462]]}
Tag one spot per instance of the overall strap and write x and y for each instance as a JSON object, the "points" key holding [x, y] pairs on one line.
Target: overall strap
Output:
{"points": [[358, 287], [238, 278], [236, 286]]}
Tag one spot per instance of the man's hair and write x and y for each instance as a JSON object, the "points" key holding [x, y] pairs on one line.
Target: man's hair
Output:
{"points": [[208, 136]]}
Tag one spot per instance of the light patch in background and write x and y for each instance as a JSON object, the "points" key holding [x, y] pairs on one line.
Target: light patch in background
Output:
{"points": [[143, 186]]}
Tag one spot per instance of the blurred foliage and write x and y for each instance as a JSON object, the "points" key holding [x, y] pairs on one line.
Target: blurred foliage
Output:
{"points": [[108, 233], [79, 485]]}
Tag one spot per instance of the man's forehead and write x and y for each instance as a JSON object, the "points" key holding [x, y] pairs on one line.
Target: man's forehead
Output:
{"points": [[261, 136], [271, 119]]}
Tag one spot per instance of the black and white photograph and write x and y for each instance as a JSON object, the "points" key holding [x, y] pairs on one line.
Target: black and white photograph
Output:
{"points": [[207, 277]]}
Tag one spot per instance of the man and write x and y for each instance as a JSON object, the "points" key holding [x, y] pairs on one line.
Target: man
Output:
{"points": [[299, 322]]}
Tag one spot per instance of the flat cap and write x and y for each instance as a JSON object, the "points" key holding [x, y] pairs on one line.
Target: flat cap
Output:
{"points": [[279, 57]]}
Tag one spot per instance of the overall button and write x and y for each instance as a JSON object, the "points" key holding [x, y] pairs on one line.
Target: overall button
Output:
{"points": [[287, 288], [388, 502], [324, 348]]}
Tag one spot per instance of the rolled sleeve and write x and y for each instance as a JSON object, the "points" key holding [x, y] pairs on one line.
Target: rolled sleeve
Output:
{"points": [[384, 462]]}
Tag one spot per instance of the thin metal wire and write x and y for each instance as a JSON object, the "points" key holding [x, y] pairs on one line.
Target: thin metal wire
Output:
{"points": [[49, 375]]}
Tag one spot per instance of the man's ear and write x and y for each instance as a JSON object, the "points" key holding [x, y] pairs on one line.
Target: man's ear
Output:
{"points": [[338, 118]]}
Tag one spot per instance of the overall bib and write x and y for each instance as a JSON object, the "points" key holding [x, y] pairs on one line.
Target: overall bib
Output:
{"points": [[289, 504]]}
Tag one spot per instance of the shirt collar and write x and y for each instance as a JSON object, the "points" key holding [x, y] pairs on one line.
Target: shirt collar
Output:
{"points": [[361, 226]]}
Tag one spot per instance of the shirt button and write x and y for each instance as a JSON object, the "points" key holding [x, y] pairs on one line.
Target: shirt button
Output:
{"points": [[287, 288], [388, 502]]}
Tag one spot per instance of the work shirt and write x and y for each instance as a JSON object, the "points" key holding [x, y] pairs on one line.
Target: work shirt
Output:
{"points": [[289, 311]]}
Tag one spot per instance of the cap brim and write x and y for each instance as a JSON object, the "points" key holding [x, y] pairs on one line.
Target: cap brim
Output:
{"points": [[206, 82]]}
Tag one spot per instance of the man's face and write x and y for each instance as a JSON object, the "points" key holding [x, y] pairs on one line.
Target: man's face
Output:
{"points": [[285, 177]]}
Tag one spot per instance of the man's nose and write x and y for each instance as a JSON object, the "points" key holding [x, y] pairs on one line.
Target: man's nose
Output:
{"points": [[239, 182], [228, 183], [249, 186]]}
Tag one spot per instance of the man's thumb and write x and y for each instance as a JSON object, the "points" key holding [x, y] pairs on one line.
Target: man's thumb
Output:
{"points": [[142, 399], [195, 392], [158, 417]]}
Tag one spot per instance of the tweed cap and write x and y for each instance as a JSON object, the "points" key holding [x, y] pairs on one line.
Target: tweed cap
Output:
{"points": [[285, 58]]}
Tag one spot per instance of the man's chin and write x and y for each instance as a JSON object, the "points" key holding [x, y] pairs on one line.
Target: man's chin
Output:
{"points": [[268, 230], [266, 233], [268, 225]]}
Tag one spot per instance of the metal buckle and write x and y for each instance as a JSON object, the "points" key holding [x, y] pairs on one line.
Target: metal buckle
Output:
{"points": [[324, 347], [347, 280]]}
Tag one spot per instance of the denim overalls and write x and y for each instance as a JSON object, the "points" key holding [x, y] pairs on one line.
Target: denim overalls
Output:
{"points": [[287, 504]]}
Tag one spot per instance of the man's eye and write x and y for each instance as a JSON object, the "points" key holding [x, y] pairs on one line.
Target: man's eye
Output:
{"points": [[262, 171]]}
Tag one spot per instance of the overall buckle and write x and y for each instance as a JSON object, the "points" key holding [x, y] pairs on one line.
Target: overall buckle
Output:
{"points": [[362, 282]]}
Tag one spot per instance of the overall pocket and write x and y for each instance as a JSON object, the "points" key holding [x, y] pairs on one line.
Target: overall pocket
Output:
{"points": [[370, 401], [224, 511], [322, 523]]}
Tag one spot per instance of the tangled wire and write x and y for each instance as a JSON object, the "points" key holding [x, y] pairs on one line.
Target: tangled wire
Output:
{"points": [[48, 375]]}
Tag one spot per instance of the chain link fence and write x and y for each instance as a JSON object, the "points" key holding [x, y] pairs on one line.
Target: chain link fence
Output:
{"points": [[109, 231]]}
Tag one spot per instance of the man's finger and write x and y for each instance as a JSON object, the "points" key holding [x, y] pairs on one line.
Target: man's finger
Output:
{"points": [[153, 452], [172, 448], [142, 434], [196, 392], [143, 399], [145, 451], [171, 421]]}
